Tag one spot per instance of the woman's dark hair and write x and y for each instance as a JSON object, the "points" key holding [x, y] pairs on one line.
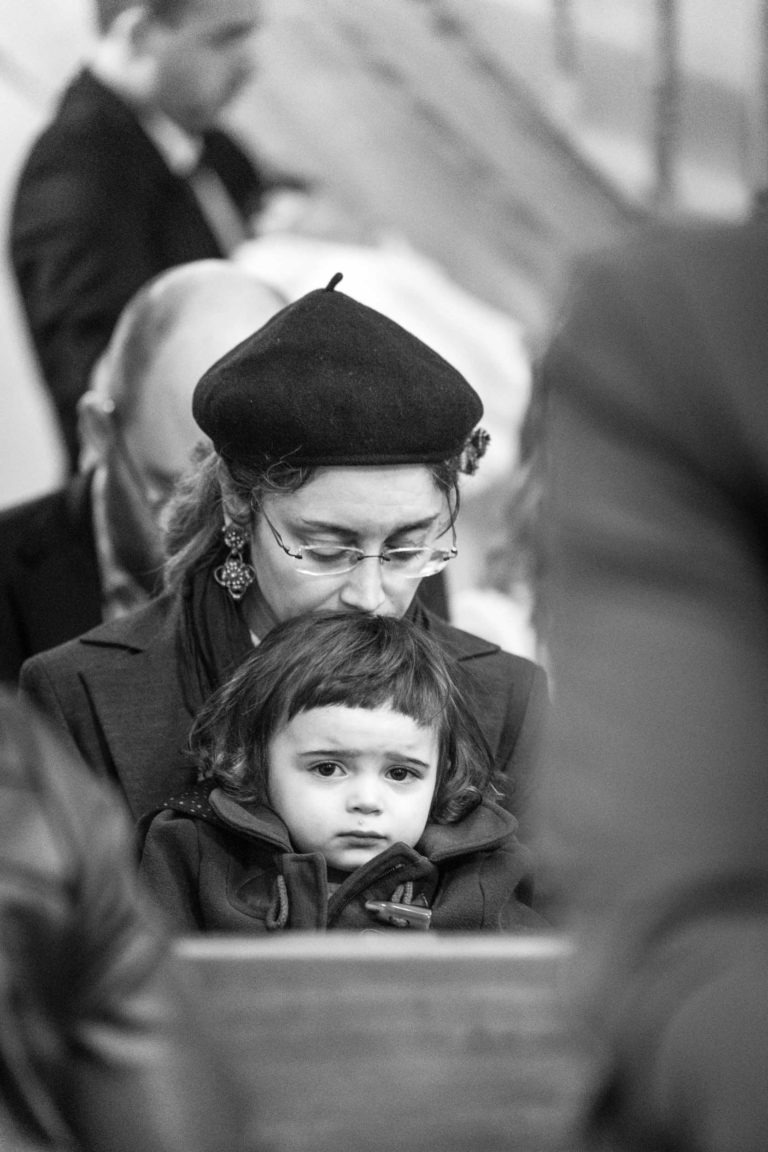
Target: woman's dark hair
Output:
{"points": [[194, 518], [349, 659]]}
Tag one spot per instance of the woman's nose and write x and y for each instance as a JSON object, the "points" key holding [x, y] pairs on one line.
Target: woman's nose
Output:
{"points": [[363, 589]]}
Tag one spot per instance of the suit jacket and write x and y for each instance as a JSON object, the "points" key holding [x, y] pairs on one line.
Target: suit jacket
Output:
{"points": [[116, 694], [97, 213], [49, 577], [655, 524]]}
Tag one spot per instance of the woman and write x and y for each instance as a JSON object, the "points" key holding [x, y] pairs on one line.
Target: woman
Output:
{"points": [[331, 483]]}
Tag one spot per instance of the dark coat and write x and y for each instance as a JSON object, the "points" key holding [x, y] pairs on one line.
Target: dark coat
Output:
{"points": [[97, 213], [655, 394], [49, 577], [116, 694], [213, 865]]}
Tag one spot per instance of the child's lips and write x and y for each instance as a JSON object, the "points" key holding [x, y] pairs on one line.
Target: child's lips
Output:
{"points": [[359, 834]]}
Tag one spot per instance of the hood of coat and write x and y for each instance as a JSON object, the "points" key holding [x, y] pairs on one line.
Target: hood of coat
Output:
{"points": [[484, 828], [303, 889], [262, 851]]}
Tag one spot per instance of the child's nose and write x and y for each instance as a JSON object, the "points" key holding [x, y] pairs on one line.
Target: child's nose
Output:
{"points": [[365, 797]]}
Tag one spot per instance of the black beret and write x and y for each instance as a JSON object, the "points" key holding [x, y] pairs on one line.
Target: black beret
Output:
{"points": [[329, 381]]}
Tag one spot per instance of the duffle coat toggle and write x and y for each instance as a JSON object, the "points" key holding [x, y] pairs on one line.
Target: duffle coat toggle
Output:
{"points": [[230, 866]]}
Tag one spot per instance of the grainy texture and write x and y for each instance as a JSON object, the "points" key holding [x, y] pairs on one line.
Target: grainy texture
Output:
{"points": [[421, 1044]]}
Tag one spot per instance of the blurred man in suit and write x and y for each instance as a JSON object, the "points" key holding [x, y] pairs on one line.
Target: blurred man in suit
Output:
{"points": [[93, 550], [653, 399], [132, 177]]}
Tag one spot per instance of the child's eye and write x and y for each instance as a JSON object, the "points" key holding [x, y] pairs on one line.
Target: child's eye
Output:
{"points": [[326, 769], [400, 774]]}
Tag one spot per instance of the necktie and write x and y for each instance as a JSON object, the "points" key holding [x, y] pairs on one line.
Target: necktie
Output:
{"points": [[218, 208]]}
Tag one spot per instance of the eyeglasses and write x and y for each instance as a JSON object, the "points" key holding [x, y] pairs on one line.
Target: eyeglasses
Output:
{"points": [[332, 560], [156, 492]]}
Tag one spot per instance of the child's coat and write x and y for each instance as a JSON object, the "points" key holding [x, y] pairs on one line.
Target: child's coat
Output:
{"points": [[217, 865]]}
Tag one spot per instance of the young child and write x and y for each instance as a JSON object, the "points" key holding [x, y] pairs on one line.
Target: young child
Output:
{"points": [[343, 784]]}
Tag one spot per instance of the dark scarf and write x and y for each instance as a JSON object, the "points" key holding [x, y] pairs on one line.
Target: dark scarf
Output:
{"points": [[212, 639]]}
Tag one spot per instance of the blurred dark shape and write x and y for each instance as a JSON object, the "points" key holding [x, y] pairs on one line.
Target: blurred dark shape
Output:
{"points": [[652, 408], [103, 1045]]}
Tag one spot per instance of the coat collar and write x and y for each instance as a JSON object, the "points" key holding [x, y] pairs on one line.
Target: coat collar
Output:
{"points": [[484, 828], [460, 645], [141, 631], [257, 821], [139, 702]]}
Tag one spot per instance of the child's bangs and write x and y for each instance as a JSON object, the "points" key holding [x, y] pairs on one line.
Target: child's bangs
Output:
{"points": [[376, 671]]}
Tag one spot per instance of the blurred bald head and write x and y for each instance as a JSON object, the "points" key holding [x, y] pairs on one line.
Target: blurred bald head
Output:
{"points": [[136, 418], [169, 334]]}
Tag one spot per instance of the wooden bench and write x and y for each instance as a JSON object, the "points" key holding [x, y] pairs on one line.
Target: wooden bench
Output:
{"points": [[404, 1043]]}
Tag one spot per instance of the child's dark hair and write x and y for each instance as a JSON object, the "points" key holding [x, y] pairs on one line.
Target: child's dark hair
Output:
{"points": [[355, 660]]}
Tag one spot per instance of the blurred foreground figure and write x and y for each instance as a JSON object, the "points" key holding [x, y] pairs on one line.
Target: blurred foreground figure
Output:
{"points": [[93, 551], [101, 1046], [655, 524]]}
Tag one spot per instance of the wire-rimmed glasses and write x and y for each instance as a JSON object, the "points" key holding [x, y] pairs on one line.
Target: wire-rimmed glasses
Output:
{"points": [[337, 559]]}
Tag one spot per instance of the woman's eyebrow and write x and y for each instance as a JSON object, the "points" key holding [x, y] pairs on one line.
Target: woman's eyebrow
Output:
{"points": [[341, 530]]}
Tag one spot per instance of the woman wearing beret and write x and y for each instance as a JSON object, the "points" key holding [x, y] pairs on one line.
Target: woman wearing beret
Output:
{"points": [[330, 483]]}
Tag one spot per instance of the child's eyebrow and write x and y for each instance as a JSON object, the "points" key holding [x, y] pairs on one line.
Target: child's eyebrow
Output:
{"points": [[329, 752], [351, 752]]}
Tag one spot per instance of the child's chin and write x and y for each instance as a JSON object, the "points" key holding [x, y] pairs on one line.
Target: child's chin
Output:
{"points": [[353, 858]]}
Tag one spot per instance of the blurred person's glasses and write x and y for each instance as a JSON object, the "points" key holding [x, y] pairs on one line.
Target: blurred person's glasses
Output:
{"points": [[156, 488], [335, 560]]}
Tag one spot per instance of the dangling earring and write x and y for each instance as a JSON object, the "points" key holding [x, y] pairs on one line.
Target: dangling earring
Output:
{"points": [[235, 574]]}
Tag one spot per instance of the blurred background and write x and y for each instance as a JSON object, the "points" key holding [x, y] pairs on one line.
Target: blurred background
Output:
{"points": [[476, 144]]}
